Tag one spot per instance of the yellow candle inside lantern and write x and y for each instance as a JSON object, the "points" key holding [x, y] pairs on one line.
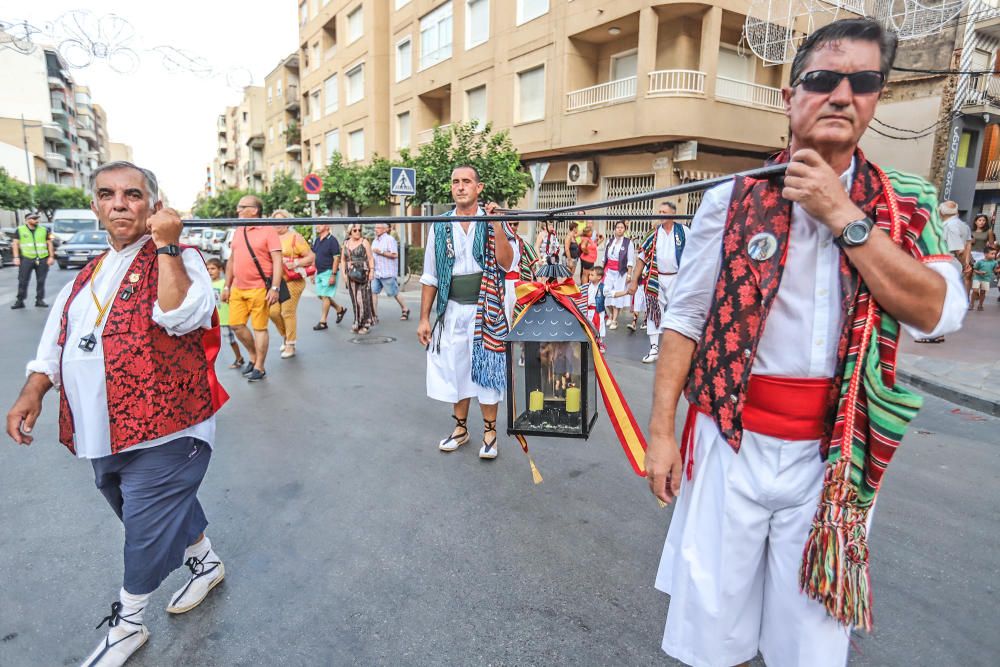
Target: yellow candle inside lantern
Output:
{"points": [[536, 401], [573, 399]]}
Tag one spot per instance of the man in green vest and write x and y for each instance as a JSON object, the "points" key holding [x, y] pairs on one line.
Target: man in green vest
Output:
{"points": [[33, 251]]}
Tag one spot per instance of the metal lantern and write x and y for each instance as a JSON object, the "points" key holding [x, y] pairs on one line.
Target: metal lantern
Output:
{"points": [[551, 388]]}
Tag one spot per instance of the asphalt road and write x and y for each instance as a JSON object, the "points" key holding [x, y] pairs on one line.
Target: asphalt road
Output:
{"points": [[349, 539]]}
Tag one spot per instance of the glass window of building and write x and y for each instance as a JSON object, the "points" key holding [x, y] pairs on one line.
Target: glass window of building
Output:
{"points": [[403, 130], [531, 9], [435, 36], [530, 94], [355, 24], [475, 105], [356, 145], [477, 22], [404, 59], [356, 83], [330, 92]]}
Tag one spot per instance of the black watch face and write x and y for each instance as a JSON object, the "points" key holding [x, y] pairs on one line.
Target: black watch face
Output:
{"points": [[856, 233]]}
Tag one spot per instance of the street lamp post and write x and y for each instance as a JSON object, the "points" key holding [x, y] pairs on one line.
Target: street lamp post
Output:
{"points": [[24, 138]]}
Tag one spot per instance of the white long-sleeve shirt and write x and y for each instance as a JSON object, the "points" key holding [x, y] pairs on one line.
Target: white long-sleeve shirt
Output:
{"points": [[82, 375], [465, 260], [804, 325]]}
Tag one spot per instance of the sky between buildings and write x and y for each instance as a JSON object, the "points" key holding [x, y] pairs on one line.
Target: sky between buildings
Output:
{"points": [[165, 113]]}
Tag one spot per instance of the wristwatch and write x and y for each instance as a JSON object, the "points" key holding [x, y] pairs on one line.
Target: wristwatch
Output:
{"points": [[855, 233], [171, 250]]}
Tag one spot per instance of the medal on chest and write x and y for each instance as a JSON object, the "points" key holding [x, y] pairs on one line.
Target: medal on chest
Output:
{"points": [[88, 342], [762, 247]]}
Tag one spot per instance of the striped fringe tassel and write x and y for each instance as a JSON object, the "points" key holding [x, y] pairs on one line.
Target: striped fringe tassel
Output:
{"points": [[536, 475], [834, 567]]}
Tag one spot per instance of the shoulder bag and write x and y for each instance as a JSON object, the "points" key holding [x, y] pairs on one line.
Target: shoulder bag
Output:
{"points": [[283, 293]]}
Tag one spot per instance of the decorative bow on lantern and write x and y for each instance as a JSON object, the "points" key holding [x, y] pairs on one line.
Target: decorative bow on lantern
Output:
{"points": [[568, 295]]}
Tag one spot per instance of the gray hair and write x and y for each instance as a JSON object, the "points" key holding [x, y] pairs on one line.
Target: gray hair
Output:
{"points": [[669, 204], [152, 187], [867, 30]]}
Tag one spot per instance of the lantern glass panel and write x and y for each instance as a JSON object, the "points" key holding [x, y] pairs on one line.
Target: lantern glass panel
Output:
{"points": [[553, 388]]}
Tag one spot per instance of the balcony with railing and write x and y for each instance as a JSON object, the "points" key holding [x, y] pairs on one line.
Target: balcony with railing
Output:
{"points": [[751, 94], [984, 91], [603, 94], [55, 160], [992, 174], [676, 83], [292, 102], [426, 136]]}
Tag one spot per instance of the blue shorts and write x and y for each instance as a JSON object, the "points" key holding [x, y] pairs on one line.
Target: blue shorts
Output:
{"points": [[391, 286], [154, 492]]}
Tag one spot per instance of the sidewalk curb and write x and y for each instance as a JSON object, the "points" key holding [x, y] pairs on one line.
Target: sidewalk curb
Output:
{"points": [[949, 393]]}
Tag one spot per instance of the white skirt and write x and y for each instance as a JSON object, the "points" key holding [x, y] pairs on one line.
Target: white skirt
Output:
{"points": [[449, 372], [615, 282]]}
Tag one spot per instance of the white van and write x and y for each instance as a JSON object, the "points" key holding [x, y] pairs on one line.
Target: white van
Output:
{"points": [[69, 221]]}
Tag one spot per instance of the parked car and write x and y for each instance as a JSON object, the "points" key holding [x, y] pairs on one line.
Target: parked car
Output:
{"points": [[227, 246], [6, 251], [68, 221], [192, 236], [81, 248], [213, 240]]}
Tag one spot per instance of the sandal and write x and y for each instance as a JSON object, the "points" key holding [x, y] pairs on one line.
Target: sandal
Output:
{"points": [[237, 364], [489, 449], [320, 326], [362, 331], [340, 314], [453, 442], [405, 315]]}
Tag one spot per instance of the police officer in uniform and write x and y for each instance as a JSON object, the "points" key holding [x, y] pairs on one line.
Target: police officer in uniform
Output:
{"points": [[33, 252]]}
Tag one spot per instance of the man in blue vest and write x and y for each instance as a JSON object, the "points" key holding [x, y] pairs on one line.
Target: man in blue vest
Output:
{"points": [[33, 251]]}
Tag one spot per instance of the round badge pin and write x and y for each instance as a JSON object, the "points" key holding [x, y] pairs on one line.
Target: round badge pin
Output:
{"points": [[133, 278], [762, 246]]}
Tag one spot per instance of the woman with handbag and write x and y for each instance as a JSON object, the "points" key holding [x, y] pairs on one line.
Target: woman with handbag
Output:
{"points": [[359, 266], [298, 261]]}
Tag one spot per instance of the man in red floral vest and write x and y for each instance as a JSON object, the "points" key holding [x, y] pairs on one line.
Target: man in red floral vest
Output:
{"points": [[131, 346], [782, 336]]}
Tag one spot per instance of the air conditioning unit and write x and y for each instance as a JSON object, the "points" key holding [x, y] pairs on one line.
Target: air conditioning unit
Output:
{"points": [[581, 173]]}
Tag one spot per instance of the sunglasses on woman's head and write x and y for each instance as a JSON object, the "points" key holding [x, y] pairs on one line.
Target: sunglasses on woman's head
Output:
{"points": [[826, 81]]}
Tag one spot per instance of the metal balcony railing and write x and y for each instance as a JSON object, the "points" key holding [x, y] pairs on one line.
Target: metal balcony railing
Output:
{"points": [[676, 82], [612, 92], [984, 90], [751, 94], [992, 171]]}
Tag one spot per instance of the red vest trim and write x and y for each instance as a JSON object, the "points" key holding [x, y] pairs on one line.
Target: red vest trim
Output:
{"points": [[157, 384]]}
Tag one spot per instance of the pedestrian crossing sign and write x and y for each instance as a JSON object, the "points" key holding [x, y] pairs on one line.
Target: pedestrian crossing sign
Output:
{"points": [[403, 181]]}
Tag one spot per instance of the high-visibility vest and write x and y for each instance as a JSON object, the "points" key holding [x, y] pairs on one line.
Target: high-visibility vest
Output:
{"points": [[33, 244]]}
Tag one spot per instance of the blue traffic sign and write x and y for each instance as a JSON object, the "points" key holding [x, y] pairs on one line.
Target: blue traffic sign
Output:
{"points": [[403, 181], [312, 184]]}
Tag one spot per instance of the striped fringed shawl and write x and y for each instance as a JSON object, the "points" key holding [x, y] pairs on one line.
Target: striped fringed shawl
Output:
{"points": [[872, 412], [652, 270], [489, 367]]}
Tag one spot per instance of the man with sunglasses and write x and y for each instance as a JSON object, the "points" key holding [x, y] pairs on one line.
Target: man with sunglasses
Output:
{"points": [[789, 289]]}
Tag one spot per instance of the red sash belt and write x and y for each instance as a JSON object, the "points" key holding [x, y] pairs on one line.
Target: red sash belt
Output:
{"points": [[512, 275], [779, 407], [612, 265]]}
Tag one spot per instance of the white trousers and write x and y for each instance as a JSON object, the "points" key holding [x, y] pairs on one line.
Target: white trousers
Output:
{"points": [[666, 289], [616, 282], [731, 559], [449, 372]]}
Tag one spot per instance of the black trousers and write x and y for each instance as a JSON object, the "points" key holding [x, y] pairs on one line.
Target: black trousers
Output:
{"points": [[40, 267]]}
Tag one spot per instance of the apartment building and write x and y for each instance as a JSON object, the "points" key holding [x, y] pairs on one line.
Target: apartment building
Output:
{"points": [[607, 99], [344, 74], [239, 161], [282, 124], [51, 118]]}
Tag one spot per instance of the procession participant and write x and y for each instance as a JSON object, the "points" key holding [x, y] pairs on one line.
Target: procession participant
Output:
{"points": [[753, 560], [593, 295], [547, 243], [659, 259], [33, 253], [463, 284], [619, 259], [131, 346], [253, 284]]}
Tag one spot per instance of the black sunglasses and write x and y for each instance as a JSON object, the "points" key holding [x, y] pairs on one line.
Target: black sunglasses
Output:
{"points": [[826, 81]]}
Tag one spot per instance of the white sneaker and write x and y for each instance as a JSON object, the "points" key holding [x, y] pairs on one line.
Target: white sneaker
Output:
{"points": [[613, 324], [654, 354], [114, 652], [205, 575]]}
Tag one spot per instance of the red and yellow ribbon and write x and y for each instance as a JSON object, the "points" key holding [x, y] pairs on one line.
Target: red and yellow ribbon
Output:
{"points": [[567, 294]]}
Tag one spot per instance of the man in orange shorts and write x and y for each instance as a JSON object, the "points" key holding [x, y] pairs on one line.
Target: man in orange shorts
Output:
{"points": [[253, 281]]}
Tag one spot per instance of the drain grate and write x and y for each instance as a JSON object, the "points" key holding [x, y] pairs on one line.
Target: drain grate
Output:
{"points": [[372, 340]]}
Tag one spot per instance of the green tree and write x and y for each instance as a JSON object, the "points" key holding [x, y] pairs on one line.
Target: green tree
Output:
{"points": [[14, 195], [341, 185], [49, 197], [504, 179], [286, 192], [222, 205]]}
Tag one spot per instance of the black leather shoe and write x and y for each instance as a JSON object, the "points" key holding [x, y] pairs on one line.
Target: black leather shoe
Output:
{"points": [[17, 305], [41, 304]]}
